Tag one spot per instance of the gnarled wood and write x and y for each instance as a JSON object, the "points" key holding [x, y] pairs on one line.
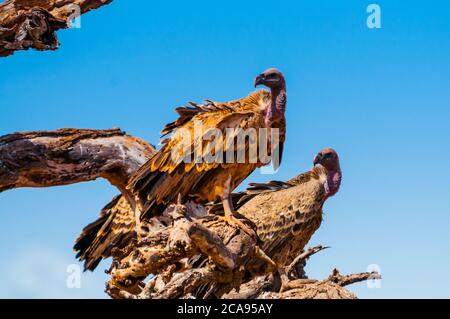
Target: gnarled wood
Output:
{"points": [[304, 288], [182, 232], [312, 290], [67, 156], [26, 24], [343, 281], [330, 288], [231, 253]]}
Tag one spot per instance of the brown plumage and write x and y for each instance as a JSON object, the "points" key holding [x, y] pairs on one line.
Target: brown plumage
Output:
{"points": [[113, 230], [160, 181], [288, 213], [167, 175]]}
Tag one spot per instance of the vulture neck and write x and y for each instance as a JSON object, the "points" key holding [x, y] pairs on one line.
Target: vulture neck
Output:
{"points": [[275, 111], [332, 179], [333, 182]]}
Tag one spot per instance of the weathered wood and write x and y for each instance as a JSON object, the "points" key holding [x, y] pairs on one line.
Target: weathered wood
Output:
{"points": [[296, 269], [26, 24], [312, 290], [329, 288], [67, 156], [228, 255], [230, 251], [343, 281]]}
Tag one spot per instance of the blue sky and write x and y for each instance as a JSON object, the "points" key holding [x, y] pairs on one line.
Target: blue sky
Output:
{"points": [[380, 97]]}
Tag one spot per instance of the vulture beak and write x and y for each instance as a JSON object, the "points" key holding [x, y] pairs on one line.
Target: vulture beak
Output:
{"points": [[260, 80], [318, 159]]}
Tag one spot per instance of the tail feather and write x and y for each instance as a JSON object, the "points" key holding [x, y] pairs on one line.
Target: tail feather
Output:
{"points": [[113, 229]]}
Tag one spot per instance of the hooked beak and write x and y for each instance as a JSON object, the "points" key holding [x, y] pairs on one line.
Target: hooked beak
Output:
{"points": [[318, 159], [260, 80]]}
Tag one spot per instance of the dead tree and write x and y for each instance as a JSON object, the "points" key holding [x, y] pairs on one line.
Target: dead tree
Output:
{"points": [[66, 156], [32, 24]]}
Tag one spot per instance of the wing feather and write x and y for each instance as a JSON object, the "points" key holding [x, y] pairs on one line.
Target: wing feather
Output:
{"points": [[167, 173], [113, 229], [286, 214]]}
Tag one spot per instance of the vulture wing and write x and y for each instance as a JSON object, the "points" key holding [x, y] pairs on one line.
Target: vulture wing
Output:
{"points": [[168, 174], [286, 214], [113, 229]]}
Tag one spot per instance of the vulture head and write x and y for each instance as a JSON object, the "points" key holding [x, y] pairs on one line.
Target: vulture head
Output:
{"points": [[272, 78], [329, 159]]}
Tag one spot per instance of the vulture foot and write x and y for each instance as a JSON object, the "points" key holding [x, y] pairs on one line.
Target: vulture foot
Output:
{"points": [[233, 218], [235, 222]]}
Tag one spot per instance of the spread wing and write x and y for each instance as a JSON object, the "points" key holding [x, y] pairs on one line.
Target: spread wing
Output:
{"points": [[113, 229], [169, 173]]}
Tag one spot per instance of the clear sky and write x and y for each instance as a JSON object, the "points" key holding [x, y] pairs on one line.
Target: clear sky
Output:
{"points": [[380, 97]]}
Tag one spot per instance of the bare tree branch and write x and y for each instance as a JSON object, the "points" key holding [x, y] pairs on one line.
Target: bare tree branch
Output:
{"points": [[26, 24], [67, 156], [299, 263], [231, 253], [311, 290], [232, 267], [330, 288], [343, 281]]}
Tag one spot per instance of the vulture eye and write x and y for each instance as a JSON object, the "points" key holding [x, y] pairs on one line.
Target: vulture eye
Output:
{"points": [[272, 76]]}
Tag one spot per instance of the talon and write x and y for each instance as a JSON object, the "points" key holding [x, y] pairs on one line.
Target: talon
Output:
{"points": [[231, 217]]}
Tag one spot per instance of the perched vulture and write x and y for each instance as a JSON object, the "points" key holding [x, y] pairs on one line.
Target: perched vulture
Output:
{"points": [[168, 175], [161, 181], [288, 213]]}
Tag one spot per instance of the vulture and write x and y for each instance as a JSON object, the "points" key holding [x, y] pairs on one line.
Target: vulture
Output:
{"points": [[180, 170], [286, 214], [167, 178]]}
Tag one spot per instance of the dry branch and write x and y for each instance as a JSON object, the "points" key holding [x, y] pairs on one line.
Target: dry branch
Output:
{"points": [[296, 269], [330, 288], [26, 24], [231, 259], [67, 156], [312, 290], [343, 281], [231, 253]]}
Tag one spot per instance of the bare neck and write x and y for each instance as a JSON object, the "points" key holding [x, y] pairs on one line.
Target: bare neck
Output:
{"points": [[333, 182], [333, 178], [277, 106]]}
